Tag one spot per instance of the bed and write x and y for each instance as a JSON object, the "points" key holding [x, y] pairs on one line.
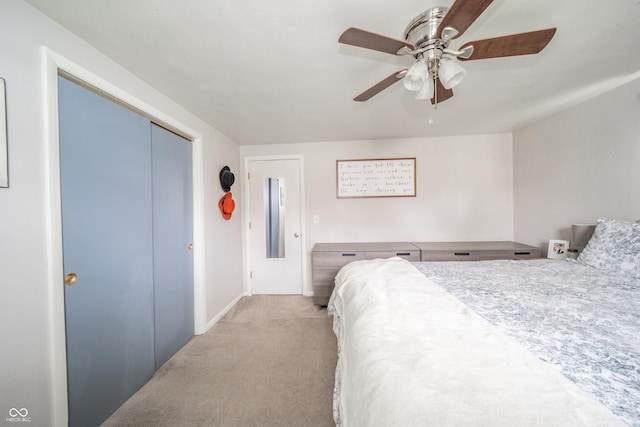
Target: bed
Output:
{"points": [[492, 343]]}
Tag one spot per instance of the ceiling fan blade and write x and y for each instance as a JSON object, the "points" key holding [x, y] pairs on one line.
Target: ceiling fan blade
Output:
{"points": [[512, 45], [370, 40], [380, 86], [462, 14], [441, 93]]}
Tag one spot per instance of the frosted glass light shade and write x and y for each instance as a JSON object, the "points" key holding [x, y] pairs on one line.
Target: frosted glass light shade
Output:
{"points": [[426, 91], [451, 73], [416, 76]]}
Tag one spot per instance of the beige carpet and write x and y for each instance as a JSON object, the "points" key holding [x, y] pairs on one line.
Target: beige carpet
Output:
{"points": [[269, 362]]}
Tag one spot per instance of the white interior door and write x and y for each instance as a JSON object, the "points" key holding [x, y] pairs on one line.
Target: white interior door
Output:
{"points": [[275, 226]]}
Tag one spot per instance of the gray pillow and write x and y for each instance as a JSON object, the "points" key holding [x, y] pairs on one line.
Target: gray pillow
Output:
{"points": [[614, 246]]}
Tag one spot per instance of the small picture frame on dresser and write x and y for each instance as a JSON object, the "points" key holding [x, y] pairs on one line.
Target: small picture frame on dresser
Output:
{"points": [[558, 249]]}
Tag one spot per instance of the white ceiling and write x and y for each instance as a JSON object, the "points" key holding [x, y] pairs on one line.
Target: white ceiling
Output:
{"points": [[266, 72]]}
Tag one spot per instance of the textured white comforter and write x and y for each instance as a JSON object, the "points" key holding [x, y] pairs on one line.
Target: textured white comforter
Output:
{"points": [[410, 354]]}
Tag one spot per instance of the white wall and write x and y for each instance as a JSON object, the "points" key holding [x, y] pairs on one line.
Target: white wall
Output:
{"points": [[27, 285], [464, 191], [581, 163]]}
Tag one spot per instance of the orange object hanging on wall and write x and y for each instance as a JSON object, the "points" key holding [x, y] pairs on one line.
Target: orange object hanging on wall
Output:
{"points": [[226, 205]]}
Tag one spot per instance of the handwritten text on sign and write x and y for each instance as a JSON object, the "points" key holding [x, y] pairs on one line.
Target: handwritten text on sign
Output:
{"points": [[376, 178]]}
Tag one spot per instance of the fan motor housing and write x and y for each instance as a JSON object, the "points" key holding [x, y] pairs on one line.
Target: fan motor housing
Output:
{"points": [[423, 29]]}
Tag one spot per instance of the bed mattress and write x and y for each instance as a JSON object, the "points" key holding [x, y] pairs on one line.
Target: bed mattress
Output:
{"points": [[423, 344], [582, 320]]}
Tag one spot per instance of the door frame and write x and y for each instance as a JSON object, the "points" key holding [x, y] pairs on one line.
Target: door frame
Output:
{"points": [[246, 217], [53, 64]]}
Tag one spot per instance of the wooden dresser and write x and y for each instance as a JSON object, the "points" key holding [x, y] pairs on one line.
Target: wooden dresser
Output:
{"points": [[328, 258], [475, 251]]}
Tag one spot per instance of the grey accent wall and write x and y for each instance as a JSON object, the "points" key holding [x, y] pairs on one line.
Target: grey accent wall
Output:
{"points": [[579, 164]]}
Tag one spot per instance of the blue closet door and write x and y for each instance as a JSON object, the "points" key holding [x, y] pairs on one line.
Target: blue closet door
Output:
{"points": [[172, 237], [105, 163]]}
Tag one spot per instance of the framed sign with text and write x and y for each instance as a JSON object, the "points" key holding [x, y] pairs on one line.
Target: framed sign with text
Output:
{"points": [[376, 178]]}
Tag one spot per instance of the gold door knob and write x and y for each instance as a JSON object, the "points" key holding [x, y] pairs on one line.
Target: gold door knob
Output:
{"points": [[70, 279], [190, 246]]}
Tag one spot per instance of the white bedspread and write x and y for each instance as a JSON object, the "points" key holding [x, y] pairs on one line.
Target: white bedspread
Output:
{"points": [[410, 354], [582, 320]]}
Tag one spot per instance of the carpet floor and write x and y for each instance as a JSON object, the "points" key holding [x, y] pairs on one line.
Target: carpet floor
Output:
{"points": [[269, 362]]}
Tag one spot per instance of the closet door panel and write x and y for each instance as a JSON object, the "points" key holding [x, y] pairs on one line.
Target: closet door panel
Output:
{"points": [[172, 231], [105, 163]]}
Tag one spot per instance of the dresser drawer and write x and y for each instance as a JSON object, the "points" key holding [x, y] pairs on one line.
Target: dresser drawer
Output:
{"points": [[412, 255], [335, 260], [509, 254], [328, 258], [530, 255], [460, 255], [321, 276], [476, 251]]}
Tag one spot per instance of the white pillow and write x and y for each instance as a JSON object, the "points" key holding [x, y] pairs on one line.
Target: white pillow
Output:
{"points": [[615, 246]]}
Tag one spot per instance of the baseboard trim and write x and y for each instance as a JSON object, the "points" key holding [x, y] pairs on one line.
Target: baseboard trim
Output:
{"points": [[225, 310]]}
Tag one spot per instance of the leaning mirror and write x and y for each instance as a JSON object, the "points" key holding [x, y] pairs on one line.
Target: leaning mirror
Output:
{"points": [[274, 216], [4, 165]]}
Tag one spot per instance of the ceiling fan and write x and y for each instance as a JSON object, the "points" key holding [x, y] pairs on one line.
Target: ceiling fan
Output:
{"points": [[427, 37]]}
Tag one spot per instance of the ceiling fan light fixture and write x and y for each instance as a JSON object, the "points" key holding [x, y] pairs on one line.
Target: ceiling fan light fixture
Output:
{"points": [[451, 73], [426, 91], [427, 39], [416, 76]]}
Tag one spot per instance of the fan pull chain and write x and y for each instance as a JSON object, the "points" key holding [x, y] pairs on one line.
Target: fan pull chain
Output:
{"points": [[435, 103], [430, 116]]}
